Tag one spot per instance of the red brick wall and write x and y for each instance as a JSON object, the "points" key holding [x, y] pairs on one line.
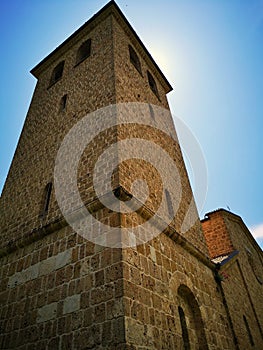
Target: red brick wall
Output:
{"points": [[216, 234]]}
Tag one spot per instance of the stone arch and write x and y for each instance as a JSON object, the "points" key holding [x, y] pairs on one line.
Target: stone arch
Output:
{"points": [[178, 278], [188, 306]]}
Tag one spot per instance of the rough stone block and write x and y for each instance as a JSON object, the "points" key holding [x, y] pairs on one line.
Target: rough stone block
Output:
{"points": [[63, 258], [47, 266], [71, 304], [47, 312], [24, 276]]}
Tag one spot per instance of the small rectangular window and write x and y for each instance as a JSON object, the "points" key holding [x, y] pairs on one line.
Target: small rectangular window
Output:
{"points": [[63, 103], [46, 200]]}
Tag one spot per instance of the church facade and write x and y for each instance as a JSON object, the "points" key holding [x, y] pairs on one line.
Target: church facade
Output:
{"points": [[107, 273]]}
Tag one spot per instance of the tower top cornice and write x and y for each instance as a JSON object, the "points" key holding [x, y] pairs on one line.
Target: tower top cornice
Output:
{"points": [[111, 8]]}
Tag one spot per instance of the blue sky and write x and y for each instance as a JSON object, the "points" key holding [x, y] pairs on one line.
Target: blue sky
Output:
{"points": [[210, 51]]}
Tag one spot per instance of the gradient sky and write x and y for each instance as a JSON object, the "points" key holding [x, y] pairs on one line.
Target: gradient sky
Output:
{"points": [[210, 51]]}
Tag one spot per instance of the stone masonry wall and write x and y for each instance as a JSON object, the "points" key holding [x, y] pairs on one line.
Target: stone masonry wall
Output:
{"points": [[243, 283], [237, 297], [153, 275], [89, 86], [59, 291], [250, 267], [62, 292], [131, 86]]}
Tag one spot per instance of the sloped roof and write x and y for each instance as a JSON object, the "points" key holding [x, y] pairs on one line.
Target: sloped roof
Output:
{"points": [[223, 259]]}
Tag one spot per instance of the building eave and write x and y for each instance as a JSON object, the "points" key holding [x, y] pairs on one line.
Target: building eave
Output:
{"points": [[110, 8]]}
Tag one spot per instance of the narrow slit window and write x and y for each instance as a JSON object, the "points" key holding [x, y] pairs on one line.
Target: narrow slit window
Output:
{"points": [[46, 199], [83, 51], [185, 334], [251, 340], [63, 103], [57, 73], [135, 59], [169, 204], [152, 84]]}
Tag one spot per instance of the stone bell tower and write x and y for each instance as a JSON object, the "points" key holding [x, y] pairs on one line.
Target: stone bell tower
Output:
{"points": [[65, 290]]}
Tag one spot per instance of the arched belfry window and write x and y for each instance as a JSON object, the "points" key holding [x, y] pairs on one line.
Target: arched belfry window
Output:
{"points": [[57, 73], [46, 199], [152, 84], [135, 59], [83, 51]]}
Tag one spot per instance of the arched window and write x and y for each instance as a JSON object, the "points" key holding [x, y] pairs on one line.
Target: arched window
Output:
{"points": [[251, 340], [83, 51], [46, 199], [135, 59], [189, 309], [152, 83], [169, 204], [57, 73], [185, 334]]}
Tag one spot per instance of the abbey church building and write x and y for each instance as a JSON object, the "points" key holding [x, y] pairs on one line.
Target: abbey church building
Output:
{"points": [[90, 256]]}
